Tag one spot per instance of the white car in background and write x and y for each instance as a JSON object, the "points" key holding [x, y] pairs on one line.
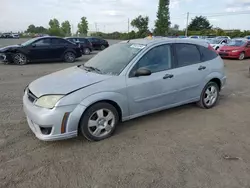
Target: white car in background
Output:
{"points": [[216, 43], [223, 37]]}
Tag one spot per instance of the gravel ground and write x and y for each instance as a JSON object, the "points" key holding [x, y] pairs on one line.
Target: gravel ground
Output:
{"points": [[178, 148]]}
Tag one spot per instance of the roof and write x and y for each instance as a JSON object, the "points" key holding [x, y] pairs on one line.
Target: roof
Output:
{"points": [[154, 41]]}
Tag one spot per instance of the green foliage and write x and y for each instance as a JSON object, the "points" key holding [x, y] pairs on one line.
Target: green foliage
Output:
{"points": [[141, 23], [54, 28], [162, 23], [66, 28], [83, 26], [199, 23], [33, 29]]}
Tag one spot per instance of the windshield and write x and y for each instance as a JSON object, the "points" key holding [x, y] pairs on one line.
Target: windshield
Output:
{"points": [[115, 58], [236, 43], [29, 42], [215, 41]]}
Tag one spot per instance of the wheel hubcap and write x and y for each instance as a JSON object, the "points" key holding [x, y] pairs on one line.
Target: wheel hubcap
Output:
{"points": [[211, 95], [19, 59], [242, 56], [101, 122], [86, 51], [70, 57]]}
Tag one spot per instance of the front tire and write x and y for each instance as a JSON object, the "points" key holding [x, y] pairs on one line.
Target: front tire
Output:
{"points": [[209, 96], [86, 51], [242, 56], [19, 59], [99, 121], [102, 47], [69, 57]]}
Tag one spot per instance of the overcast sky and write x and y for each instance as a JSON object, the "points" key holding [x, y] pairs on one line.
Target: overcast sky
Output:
{"points": [[113, 15]]}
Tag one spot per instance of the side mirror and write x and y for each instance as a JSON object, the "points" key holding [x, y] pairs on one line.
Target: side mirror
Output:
{"points": [[142, 72], [33, 45]]}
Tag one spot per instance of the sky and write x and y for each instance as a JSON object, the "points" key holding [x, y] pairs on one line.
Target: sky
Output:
{"points": [[113, 15]]}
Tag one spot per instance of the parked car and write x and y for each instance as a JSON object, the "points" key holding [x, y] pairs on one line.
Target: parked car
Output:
{"points": [[237, 48], [194, 37], [41, 49], [217, 43], [247, 37], [85, 45], [223, 37], [127, 80], [98, 43], [15, 36]]}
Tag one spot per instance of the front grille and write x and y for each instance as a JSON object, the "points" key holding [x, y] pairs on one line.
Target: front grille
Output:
{"points": [[31, 96]]}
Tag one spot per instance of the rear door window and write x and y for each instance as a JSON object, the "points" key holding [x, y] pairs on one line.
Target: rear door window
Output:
{"points": [[82, 40], [187, 54]]}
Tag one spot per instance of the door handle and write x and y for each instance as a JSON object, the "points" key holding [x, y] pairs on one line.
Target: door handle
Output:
{"points": [[168, 76], [202, 68]]}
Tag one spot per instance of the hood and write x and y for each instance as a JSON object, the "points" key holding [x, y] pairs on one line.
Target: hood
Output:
{"points": [[65, 81], [4, 49], [231, 48]]}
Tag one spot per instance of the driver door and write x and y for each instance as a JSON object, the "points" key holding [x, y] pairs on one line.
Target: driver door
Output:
{"points": [[151, 93], [40, 50]]}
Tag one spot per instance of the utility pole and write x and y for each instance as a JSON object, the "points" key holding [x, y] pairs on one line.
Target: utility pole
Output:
{"points": [[96, 27], [128, 25], [186, 33]]}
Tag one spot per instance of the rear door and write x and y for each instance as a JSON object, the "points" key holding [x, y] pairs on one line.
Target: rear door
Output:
{"points": [[58, 48], [189, 73]]}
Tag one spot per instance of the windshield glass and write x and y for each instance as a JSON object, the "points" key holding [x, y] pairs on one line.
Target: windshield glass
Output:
{"points": [[115, 58], [215, 41], [236, 43], [29, 42]]}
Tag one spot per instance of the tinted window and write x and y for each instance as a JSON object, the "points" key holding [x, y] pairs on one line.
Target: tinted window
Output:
{"points": [[187, 54], [156, 60], [59, 41], [207, 54], [82, 40], [43, 42]]}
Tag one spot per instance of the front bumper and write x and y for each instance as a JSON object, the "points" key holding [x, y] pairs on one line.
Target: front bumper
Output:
{"points": [[3, 57], [229, 54], [40, 118]]}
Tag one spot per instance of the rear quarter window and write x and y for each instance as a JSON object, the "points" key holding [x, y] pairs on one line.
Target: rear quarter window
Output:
{"points": [[207, 54]]}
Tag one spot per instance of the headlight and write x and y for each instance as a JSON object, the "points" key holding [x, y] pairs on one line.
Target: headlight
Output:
{"points": [[48, 101], [235, 50]]}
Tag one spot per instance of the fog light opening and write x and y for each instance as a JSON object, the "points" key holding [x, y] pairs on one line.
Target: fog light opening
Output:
{"points": [[64, 122], [46, 130]]}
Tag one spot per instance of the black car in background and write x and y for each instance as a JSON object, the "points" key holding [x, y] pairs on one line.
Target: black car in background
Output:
{"points": [[41, 49], [98, 43], [83, 43]]}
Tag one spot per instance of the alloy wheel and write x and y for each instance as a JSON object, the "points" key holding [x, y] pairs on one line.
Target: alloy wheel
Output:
{"points": [[101, 122], [242, 56], [19, 59], [69, 57], [211, 95]]}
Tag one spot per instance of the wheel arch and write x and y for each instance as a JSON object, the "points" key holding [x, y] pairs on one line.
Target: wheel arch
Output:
{"points": [[217, 81]]}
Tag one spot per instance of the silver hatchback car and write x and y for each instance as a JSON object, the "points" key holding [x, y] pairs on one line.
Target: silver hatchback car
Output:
{"points": [[127, 80]]}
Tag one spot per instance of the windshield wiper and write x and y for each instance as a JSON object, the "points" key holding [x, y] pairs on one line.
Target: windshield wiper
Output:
{"points": [[89, 68]]}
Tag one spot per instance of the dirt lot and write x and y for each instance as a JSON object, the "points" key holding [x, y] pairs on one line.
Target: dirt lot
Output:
{"points": [[177, 148]]}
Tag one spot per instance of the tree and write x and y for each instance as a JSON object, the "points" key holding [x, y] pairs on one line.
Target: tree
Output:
{"points": [[176, 27], [54, 27], [162, 23], [66, 28], [199, 23], [83, 26], [141, 23], [31, 29]]}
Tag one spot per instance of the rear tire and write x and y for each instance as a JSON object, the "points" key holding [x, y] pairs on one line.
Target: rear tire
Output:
{"points": [[69, 57], [242, 56], [99, 121], [209, 96]]}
